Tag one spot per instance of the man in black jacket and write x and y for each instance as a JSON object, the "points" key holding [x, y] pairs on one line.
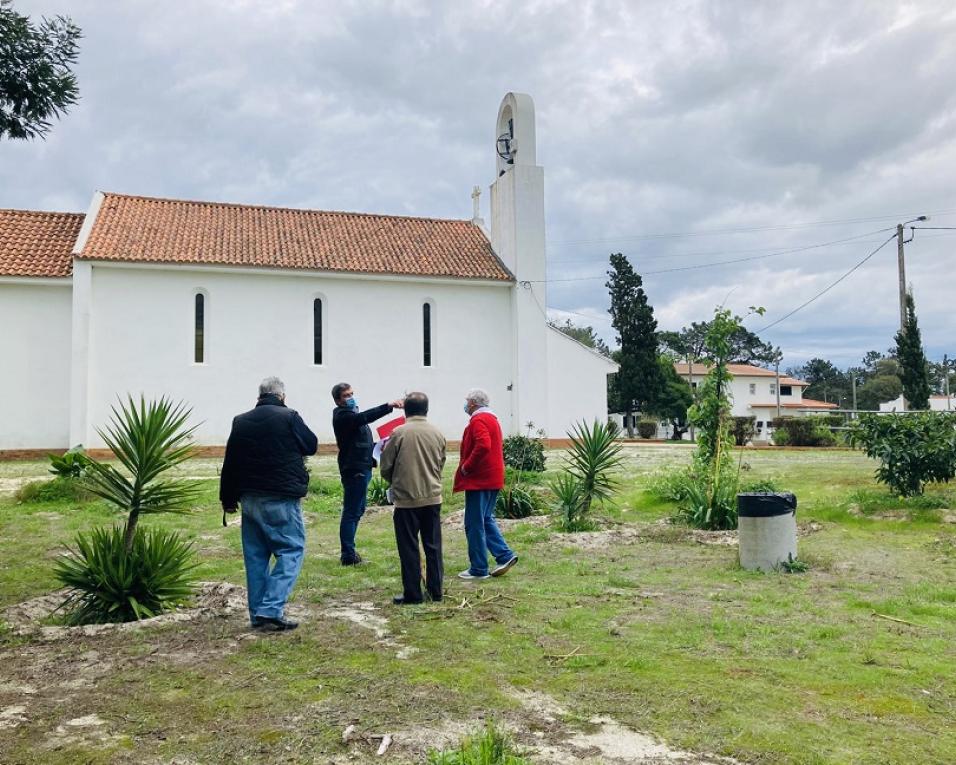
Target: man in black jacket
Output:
{"points": [[264, 472], [354, 439]]}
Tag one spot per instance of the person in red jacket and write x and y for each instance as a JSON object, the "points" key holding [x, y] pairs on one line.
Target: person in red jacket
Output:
{"points": [[481, 475]]}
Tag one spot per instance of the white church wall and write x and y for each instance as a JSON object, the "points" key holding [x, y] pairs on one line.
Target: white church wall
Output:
{"points": [[35, 347], [578, 378], [259, 323]]}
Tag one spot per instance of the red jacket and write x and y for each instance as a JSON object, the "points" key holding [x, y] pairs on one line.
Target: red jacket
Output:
{"points": [[482, 464]]}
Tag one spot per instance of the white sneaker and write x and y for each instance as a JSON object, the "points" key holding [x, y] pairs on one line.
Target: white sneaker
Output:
{"points": [[505, 567], [466, 574]]}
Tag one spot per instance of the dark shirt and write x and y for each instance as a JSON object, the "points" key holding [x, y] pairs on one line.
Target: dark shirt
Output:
{"points": [[264, 453], [354, 437]]}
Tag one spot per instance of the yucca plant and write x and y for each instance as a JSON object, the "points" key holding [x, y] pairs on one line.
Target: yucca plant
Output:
{"points": [[124, 573], [109, 583], [516, 502], [568, 505], [378, 491], [148, 439], [593, 456]]}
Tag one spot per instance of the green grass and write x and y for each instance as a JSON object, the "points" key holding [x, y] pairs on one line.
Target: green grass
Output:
{"points": [[851, 661]]}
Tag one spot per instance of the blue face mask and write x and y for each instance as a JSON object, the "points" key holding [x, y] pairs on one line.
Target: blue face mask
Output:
{"points": [[351, 403], [465, 407]]}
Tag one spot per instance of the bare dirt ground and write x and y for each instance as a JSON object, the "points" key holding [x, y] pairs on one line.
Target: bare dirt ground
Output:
{"points": [[51, 687]]}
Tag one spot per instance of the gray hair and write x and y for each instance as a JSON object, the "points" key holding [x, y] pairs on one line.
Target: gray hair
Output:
{"points": [[272, 386], [478, 396]]}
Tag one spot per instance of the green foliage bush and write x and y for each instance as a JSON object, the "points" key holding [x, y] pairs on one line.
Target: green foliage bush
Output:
{"points": [[516, 502], [914, 448], [71, 464], [377, 491], [743, 429], [108, 584], [524, 453], [647, 428], [57, 490], [803, 431], [490, 747]]}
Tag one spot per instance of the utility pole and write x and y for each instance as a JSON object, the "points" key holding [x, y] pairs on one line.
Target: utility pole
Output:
{"points": [[776, 369], [946, 382], [902, 272], [690, 382]]}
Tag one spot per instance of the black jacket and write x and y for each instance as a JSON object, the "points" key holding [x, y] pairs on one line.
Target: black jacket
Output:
{"points": [[354, 437], [264, 453]]}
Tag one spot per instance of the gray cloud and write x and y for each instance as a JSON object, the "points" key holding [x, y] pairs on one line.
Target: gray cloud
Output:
{"points": [[653, 117]]}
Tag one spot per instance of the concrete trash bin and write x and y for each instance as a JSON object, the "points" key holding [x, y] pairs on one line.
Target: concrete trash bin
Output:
{"points": [[766, 529]]}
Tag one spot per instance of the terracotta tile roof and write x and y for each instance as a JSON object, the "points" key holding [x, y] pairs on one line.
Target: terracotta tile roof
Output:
{"points": [[142, 229], [738, 370], [37, 243], [807, 403]]}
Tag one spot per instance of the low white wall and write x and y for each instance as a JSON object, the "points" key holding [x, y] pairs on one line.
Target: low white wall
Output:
{"points": [[35, 348], [578, 384], [260, 324]]}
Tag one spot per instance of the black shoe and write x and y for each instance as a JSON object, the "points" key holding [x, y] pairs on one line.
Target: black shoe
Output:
{"points": [[399, 600], [270, 624], [352, 561]]}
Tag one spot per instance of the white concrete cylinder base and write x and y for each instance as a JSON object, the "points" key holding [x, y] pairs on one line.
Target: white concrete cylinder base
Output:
{"points": [[766, 540]]}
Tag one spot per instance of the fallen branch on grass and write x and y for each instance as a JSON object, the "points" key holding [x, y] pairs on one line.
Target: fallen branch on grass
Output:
{"points": [[553, 659], [894, 619]]}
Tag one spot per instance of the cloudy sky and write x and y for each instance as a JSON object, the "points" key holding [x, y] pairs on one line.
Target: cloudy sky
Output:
{"points": [[794, 134]]}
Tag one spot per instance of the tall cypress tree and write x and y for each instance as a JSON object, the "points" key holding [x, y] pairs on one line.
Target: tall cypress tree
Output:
{"points": [[639, 380], [914, 369]]}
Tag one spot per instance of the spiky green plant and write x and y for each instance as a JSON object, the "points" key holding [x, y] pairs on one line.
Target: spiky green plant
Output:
{"points": [[492, 746], [109, 583], [378, 491], [593, 457], [568, 505], [148, 439]]}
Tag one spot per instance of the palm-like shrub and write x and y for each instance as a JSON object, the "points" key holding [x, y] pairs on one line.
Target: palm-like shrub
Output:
{"points": [[148, 439], [593, 457], [378, 491], [124, 573], [516, 502], [109, 583], [568, 504]]}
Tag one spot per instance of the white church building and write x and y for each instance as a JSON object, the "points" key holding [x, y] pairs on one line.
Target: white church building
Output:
{"points": [[199, 301]]}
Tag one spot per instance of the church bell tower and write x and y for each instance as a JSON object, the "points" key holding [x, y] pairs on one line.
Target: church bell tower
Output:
{"points": [[517, 236]]}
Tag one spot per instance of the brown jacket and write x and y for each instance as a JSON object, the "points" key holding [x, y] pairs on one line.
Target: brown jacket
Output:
{"points": [[412, 462]]}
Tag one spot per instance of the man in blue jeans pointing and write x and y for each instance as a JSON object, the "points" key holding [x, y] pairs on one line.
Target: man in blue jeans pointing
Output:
{"points": [[264, 473], [354, 439]]}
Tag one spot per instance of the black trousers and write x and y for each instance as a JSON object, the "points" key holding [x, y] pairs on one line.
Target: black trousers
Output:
{"points": [[410, 522]]}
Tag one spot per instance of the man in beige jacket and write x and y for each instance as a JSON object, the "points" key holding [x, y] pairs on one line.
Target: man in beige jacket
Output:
{"points": [[412, 462]]}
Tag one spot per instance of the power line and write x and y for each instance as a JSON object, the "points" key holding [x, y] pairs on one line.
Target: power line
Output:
{"points": [[828, 288], [745, 230], [724, 262]]}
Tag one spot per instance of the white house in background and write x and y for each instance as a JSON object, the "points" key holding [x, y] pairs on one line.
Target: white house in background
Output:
{"points": [[201, 300], [937, 403], [753, 393]]}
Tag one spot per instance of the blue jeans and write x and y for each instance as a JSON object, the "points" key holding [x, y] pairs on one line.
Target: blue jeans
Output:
{"points": [[272, 527], [355, 489], [482, 532]]}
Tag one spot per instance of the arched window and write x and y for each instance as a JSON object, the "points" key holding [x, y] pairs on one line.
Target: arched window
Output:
{"points": [[317, 331], [199, 332], [427, 334]]}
